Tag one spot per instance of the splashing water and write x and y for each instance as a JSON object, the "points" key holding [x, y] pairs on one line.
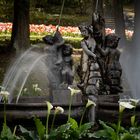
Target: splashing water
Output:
{"points": [[32, 67], [131, 67]]}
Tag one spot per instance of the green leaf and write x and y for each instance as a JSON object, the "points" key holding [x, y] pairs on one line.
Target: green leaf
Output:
{"points": [[6, 133], [135, 131], [122, 129], [64, 127], [28, 135], [108, 131], [108, 128], [74, 124], [133, 119], [61, 133], [101, 134], [40, 128], [128, 136], [85, 129]]}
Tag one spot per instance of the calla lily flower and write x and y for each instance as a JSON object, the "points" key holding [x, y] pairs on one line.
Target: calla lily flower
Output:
{"points": [[59, 109], [49, 105], [4, 94], [73, 91], [123, 105], [134, 102], [90, 103], [37, 89], [35, 85], [25, 90]]}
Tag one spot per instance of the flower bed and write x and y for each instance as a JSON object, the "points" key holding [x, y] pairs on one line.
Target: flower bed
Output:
{"points": [[42, 29]]}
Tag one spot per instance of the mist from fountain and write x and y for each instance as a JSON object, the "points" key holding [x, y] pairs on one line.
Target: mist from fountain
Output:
{"points": [[27, 75], [12, 68], [31, 67], [131, 67]]}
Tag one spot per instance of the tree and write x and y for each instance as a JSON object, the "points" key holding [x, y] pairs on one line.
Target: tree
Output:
{"points": [[119, 20], [99, 6], [136, 39], [20, 31], [6, 8]]}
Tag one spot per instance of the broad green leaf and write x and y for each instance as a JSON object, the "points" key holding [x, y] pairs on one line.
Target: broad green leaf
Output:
{"points": [[40, 128], [128, 136], [61, 133], [133, 119], [74, 124], [28, 135], [64, 127], [101, 134], [86, 126], [6, 133], [122, 129], [85, 129], [135, 131], [108, 130]]}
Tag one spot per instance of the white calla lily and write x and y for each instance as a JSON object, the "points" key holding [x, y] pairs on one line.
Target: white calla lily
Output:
{"points": [[134, 101], [35, 85], [4, 94], [59, 109], [49, 105], [25, 90], [73, 91], [123, 105], [90, 103], [37, 89]]}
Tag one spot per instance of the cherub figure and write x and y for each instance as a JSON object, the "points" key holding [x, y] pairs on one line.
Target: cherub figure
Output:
{"points": [[113, 70], [67, 63], [89, 71]]}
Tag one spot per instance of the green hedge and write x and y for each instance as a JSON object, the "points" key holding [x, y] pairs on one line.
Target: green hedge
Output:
{"points": [[74, 41]]}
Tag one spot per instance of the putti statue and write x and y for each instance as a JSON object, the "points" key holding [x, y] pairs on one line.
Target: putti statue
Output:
{"points": [[89, 71], [107, 58], [100, 70], [113, 71], [61, 59]]}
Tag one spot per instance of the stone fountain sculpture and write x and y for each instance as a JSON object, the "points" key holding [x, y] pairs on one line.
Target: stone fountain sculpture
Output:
{"points": [[62, 66], [63, 57], [100, 70], [101, 51], [49, 68], [50, 62]]}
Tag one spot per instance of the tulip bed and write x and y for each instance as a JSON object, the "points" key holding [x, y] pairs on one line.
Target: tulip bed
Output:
{"points": [[42, 29]]}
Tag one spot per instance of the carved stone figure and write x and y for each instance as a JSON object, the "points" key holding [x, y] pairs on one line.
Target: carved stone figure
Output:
{"points": [[90, 74], [62, 58], [113, 70], [98, 24], [67, 63]]}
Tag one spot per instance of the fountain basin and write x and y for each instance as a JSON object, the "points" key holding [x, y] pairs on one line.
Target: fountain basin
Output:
{"points": [[23, 113]]}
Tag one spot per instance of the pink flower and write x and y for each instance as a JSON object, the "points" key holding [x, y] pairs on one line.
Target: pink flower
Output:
{"points": [[50, 29]]}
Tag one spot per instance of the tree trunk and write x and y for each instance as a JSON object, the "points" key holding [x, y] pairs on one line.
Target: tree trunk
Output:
{"points": [[136, 36], [108, 8], [99, 6], [20, 31], [119, 20]]}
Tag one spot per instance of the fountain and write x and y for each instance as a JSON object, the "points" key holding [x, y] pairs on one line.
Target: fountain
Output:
{"points": [[44, 72]]}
